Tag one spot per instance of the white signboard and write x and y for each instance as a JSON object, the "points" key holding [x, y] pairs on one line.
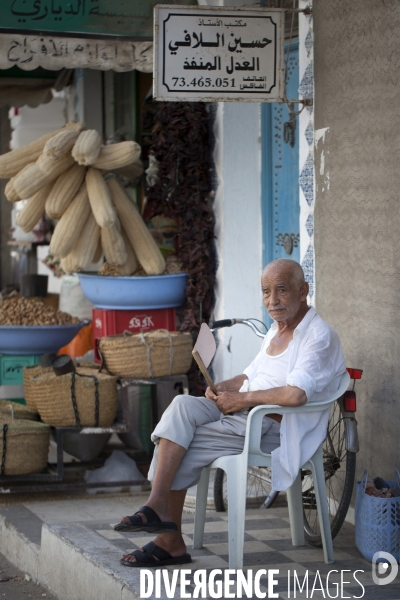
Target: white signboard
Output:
{"points": [[213, 54]]}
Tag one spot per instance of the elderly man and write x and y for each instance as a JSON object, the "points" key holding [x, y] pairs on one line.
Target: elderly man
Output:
{"points": [[301, 360]]}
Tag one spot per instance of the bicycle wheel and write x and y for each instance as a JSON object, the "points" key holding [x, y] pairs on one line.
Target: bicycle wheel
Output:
{"points": [[339, 467], [258, 488]]}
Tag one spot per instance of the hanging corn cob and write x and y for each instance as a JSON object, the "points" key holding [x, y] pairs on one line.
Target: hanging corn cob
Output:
{"points": [[60, 144], [100, 198], [45, 170], [143, 243], [64, 190], [87, 147], [31, 214], [115, 156], [69, 227], [84, 250], [131, 263], [9, 190], [113, 245]]}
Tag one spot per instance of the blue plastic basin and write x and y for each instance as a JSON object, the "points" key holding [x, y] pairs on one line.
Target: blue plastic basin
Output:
{"points": [[40, 339], [122, 293]]}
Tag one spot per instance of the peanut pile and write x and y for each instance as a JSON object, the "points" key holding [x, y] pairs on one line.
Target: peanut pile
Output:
{"points": [[25, 311]]}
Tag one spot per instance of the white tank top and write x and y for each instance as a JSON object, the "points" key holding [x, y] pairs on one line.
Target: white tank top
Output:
{"points": [[272, 372]]}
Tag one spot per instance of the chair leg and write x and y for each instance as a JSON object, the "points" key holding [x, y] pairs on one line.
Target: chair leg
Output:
{"points": [[295, 505], [201, 507], [322, 505], [237, 493]]}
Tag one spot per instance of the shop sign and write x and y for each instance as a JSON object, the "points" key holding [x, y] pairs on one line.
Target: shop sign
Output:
{"points": [[215, 54], [52, 52], [132, 19]]}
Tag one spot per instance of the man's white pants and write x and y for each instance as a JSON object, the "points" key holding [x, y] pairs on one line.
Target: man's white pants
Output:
{"points": [[198, 425]]}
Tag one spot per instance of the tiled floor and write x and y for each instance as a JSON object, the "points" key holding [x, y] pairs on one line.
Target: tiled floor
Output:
{"points": [[268, 546]]}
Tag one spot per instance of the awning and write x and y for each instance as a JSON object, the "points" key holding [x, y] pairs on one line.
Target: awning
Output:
{"points": [[54, 53], [31, 91]]}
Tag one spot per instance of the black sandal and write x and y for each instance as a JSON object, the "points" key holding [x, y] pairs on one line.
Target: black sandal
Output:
{"points": [[150, 553], [152, 525]]}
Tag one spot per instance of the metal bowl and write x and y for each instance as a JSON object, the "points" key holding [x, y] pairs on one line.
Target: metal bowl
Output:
{"points": [[151, 291], [37, 339]]}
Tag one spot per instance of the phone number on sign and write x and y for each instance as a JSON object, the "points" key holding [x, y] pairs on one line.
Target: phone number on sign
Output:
{"points": [[203, 82]]}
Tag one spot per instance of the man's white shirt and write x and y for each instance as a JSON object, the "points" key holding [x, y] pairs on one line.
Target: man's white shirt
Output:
{"points": [[315, 364]]}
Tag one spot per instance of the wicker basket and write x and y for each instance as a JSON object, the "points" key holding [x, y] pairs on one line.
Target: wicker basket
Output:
{"points": [[30, 397], [54, 397], [28, 373], [26, 446], [153, 354], [17, 410]]}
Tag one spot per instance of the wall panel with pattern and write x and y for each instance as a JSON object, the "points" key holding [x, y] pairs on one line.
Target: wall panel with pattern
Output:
{"points": [[357, 207]]}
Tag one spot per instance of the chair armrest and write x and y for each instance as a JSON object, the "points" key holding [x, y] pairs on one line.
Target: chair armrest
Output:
{"points": [[254, 421]]}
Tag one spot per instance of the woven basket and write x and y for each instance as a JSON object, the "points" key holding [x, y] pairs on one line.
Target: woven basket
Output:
{"points": [[30, 398], [17, 410], [53, 396], [28, 373], [152, 354], [26, 446]]}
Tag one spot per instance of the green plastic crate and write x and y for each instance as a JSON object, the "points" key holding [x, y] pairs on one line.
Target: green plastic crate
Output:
{"points": [[12, 367]]}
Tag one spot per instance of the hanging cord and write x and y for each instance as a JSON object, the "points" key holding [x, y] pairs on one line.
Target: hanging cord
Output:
{"points": [[96, 398], [148, 351], [73, 398], [3, 458]]}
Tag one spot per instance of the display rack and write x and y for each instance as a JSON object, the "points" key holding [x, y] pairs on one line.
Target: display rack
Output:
{"points": [[54, 478]]}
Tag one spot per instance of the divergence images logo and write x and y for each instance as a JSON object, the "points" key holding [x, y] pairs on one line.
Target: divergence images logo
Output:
{"points": [[385, 571]]}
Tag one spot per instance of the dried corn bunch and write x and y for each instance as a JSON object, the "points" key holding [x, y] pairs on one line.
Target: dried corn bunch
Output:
{"points": [[31, 214], [115, 156], [69, 227], [64, 190], [60, 182], [100, 198], [87, 147], [143, 243]]}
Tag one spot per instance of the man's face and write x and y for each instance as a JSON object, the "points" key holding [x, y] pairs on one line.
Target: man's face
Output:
{"points": [[283, 296]]}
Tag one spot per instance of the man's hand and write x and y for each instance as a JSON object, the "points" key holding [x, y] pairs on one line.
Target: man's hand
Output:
{"points": [[231, 402], [227, 402], [221, 387], [230, 385]]}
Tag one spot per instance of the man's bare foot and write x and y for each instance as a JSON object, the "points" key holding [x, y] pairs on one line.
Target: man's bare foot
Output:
{"points": [[172, 543]]}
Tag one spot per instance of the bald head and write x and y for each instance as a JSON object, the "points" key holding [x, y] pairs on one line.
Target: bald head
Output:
{"points": [[286, 266], [284, 290]]}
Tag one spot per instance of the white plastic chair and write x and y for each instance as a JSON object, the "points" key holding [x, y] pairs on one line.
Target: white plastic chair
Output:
{"points": [[235, 467]]}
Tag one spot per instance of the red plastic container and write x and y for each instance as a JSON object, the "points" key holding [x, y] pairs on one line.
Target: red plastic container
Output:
{"points": [[111, 322]]}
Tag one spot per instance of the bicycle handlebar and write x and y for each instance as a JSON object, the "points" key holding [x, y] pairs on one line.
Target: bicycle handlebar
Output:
{"points": [[230, 322], [224, 323]]}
